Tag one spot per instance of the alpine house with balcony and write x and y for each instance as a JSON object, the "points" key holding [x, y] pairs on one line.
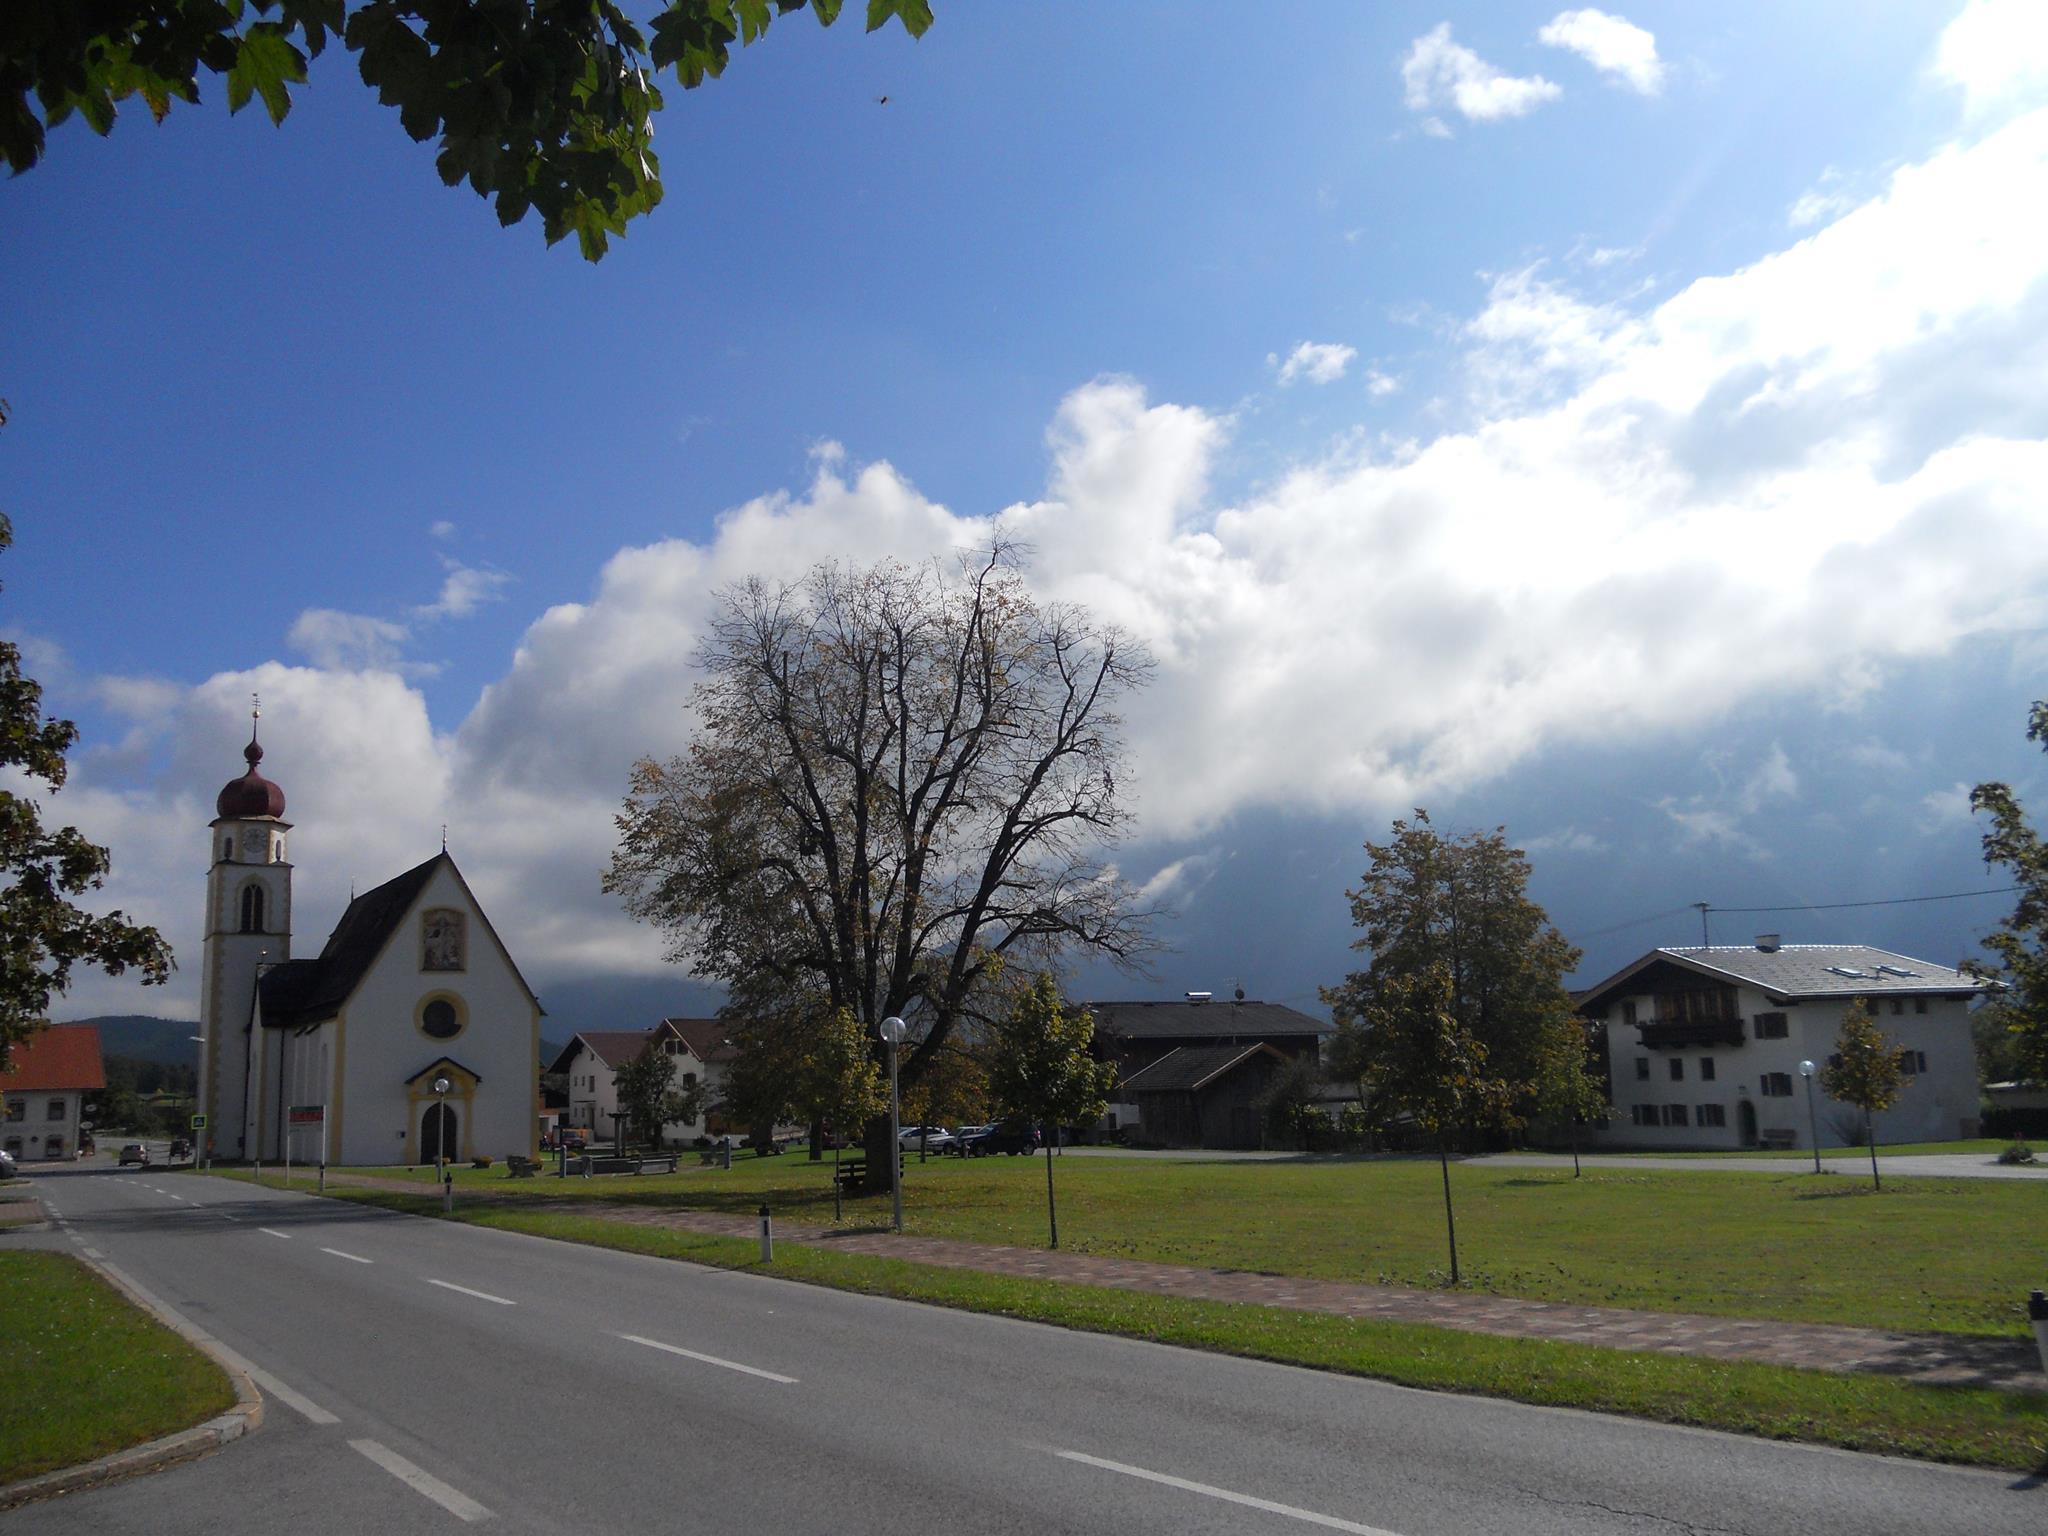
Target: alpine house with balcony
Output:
{"points": [[1704, 1045]]}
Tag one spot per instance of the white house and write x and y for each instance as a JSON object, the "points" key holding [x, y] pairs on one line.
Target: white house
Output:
{"points": [[590, 1063], [1705, 1045], [44, 1093], [410, 1036]]}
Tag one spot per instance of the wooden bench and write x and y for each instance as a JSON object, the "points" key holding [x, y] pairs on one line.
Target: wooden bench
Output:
{"points": [[854, 1173], [651, 1162], [1780, 1139], [521, 1167]]}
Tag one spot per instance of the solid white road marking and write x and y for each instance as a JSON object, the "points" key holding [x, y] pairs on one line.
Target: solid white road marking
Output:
{"points": [[691, 1354], [273, 1232], [450, 1285], [94, 1253], [298, 1402], [1330, 1522], [354, 1258], [456, 1502]]}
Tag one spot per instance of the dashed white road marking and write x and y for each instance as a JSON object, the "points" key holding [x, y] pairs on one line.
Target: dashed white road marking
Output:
{"points": [[94, 1253], [353, 1258], [454, 1500], [1307, 1516], [691, 1354], [273, 1232], [450, 1285]]}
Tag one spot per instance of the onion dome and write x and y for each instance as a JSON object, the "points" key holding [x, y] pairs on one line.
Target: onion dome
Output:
{"points": [[251, 794]]}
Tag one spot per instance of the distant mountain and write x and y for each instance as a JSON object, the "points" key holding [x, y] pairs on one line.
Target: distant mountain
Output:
{"points": [[167, 1042]]}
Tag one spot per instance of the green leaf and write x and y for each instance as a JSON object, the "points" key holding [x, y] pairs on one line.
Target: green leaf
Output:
{"points": [[265, 64], [916, 15]]}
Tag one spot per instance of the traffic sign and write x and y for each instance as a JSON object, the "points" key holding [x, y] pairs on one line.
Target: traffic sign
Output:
{"points": [[199, 1122]]}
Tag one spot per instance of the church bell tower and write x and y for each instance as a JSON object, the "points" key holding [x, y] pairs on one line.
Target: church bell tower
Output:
{"points": [[248, 929]]}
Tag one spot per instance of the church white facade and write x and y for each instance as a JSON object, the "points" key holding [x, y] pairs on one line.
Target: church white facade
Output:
{"points": [[410, 1036]]}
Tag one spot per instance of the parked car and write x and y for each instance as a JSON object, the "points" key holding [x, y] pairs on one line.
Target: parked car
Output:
{"points": [[988, 1140], [7, 1168], [136, 1152], [933, 1138]]}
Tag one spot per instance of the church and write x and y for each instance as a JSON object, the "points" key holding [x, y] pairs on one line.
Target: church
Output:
{"points": [[410, 1037]]}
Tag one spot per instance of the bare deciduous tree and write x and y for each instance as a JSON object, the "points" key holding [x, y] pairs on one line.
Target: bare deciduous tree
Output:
{"points": [[902, 778]]}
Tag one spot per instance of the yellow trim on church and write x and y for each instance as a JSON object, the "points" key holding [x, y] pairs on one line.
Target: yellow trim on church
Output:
{"points": [[419, 1094]]}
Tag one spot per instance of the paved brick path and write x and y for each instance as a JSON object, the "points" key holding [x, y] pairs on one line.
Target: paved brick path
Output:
{"points": [[1932, 1358]]}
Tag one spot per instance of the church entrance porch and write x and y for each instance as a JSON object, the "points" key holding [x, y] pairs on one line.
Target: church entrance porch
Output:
{"points": [[437, 1134]]}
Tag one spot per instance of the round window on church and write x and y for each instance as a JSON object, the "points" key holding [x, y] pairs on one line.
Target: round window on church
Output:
{"points": [[440, 1019]]}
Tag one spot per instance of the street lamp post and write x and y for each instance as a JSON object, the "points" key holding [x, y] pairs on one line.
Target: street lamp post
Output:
{"points": [[441, 1087], [892, 1032], [1812, 1118]]}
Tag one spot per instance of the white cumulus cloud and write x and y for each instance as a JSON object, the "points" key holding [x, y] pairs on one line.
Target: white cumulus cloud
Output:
{"points": [[1996, 53], [1440, 73], [1618, 48], [1320, 362]]}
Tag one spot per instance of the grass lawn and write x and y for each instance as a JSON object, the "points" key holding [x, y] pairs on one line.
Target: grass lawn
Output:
{"points": [[1865, 1413], [1981, 1147], [1941, 1255], [87, 1372]]}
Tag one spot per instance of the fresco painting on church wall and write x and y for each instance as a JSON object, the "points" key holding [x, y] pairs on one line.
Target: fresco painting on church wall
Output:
{"points": [[441, 940]]}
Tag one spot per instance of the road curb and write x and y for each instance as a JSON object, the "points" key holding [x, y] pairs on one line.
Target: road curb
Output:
{"points": [[167, 1450]]}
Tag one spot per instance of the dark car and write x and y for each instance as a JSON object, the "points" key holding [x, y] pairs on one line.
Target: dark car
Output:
{"points": [[1010, 1140], [136, 1152]]}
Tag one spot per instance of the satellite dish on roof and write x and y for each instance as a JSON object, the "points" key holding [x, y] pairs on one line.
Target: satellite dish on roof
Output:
{"points": [[1239, 994]]}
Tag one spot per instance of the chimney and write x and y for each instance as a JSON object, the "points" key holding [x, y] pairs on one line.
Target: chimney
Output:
{"points": [[1767, 942]]}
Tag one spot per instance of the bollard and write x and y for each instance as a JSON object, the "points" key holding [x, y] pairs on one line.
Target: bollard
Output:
{"points": [[448, 1194], [2037, 1312], [768, 1241]]}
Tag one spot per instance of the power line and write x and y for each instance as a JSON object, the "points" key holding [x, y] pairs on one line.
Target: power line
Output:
{"points": [[1895, 901]]}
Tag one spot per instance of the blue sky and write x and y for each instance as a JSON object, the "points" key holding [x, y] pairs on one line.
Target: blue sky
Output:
{"points": [[1624, 426]]}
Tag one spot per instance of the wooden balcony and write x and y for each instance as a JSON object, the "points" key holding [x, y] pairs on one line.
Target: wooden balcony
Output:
{"points": [[1672, 1035]]}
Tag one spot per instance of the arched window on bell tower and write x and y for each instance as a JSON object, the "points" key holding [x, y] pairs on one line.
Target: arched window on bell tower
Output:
{"points": [[252, 909]]}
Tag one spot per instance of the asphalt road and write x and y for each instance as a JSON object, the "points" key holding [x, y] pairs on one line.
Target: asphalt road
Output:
{"points": [[422, 1375]]}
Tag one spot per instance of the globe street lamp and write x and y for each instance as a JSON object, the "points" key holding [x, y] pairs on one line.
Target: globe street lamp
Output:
{"points": [[1812, 1119], [892, 1031], [441, 1087]]}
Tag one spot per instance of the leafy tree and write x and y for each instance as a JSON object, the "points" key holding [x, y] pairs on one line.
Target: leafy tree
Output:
{"points": [[763, 1083], [650, 1098], [1462, 904], [42, 934], [2021, 942], [538, 104], [1040, 1070], [954, 1088], [1288, 1104], [838, 1082], [1994, 1033], [1566, 1088], [902, 778], [1422, 1062], [1864, 1072]]}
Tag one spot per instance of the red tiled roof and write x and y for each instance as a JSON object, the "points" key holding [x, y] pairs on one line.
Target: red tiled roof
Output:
{"points": [[614, 1047], [62, 1056], [706, 1037]]}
